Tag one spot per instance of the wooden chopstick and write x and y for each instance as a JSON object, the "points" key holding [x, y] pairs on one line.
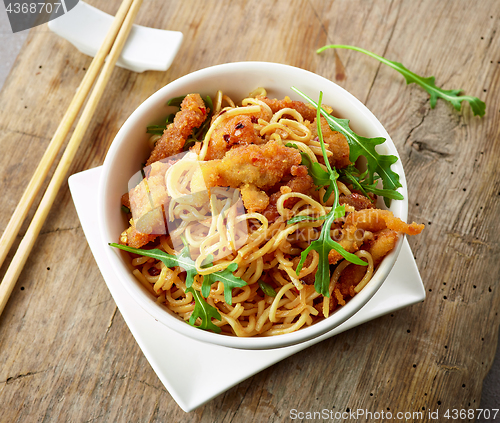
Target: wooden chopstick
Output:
{"points": [[60, 135], [129, 9]]}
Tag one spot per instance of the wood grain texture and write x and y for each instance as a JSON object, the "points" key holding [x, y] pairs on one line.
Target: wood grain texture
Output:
{"points": [[67, 354]]}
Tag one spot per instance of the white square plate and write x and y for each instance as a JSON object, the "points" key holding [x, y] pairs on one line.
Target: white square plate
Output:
{"points": [[195, 384]]}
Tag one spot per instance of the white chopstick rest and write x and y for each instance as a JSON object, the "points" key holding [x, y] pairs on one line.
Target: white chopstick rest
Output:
{"points": [[146, 49]]}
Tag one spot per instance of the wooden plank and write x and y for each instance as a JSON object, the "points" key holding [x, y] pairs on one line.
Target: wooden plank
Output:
{"points": [[67, 352]]}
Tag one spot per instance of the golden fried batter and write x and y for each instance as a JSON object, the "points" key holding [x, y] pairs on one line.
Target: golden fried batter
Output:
{"points": [[192, 114], [382, 243], [301, 182], [335, 142], [261, 165], [356, 200], [307, 111], [235, 131], [373, 220], [135, 239], [254, 199]]}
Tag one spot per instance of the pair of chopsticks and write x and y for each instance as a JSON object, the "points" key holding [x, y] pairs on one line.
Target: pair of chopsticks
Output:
{"points": [[112, 45]]}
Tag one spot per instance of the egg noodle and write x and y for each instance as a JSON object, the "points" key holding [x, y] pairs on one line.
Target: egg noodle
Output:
{"points": [[218, 229]]}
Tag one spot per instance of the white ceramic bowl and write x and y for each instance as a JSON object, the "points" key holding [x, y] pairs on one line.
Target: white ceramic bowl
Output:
{"points": [[129, 149]]}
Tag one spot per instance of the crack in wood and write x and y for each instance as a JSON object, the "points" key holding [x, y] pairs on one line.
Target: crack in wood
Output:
{"points": [[469, 239], [111, 320], [241, 401], [146, 383], [51, 231], [415, 127], [93, 419], [423, 147], [13, 131], [383, 54], [155, 411], [20, 376], [319, 20]]}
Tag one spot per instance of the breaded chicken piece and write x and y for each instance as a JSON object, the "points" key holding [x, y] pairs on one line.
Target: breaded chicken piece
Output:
{"points": [[254, 199], [334, 141], [358, 201], [307, 111], [135, 239], [382, 243], [301, 182], [145, 202], [260, 165], [373, 220], [192, 114], [235, 130]]}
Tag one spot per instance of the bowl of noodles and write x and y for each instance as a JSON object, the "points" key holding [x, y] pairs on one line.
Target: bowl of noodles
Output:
{"points": [[236, 219]]}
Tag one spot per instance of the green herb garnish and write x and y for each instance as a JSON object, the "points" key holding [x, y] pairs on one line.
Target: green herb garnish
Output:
{"points": [[359, 181], [176, 101], [158, 129], [204, 311], [267, 289], [378, 165], [227, 278], [324, 244], [125, 209], [478, 107], [319, 176], [184, 260]]}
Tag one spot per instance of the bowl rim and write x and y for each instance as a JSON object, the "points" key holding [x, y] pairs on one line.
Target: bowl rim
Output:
{"points": [[160, 313]]}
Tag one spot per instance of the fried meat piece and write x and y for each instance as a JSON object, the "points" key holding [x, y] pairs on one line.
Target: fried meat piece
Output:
{"points": [[145, 202], [192, 114], [372, 220], [356, 200], [260, 165], [375, 220], [135, 239], [383, 242], [301, 182], [334, 141], [254, 199], [234, 131], [307, 111]]}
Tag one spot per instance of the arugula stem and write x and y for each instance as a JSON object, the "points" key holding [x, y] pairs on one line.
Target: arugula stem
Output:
{"points": [[427, 83]]}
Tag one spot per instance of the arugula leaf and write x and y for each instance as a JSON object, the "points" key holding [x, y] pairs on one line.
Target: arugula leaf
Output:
{"points": [[296, 219], [227, 278], [324, 244], [176, 101], [185, 261], [203, 311], [428, 84], [156, 129], [378, 164], [320, 176], [267, 289], [358, 181], [182, 260]]}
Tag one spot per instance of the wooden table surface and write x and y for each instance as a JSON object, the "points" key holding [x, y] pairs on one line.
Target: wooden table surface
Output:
{"points": [[67, 354]]}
